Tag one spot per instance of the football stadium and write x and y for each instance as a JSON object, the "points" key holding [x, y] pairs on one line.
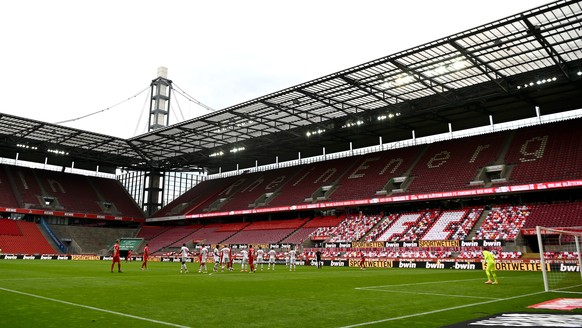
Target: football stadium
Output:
{"points": [[439, 186]]}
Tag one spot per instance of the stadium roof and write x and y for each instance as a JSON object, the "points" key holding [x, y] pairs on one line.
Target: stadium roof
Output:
{"points": [[501, 70]]}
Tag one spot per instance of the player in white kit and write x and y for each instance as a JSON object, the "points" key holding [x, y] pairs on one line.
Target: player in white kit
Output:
{"points": [[272, 258], [245, 260], [203, 258], [225, 256], [292, 255], [260, 260], [216, 255], [184, 252]]}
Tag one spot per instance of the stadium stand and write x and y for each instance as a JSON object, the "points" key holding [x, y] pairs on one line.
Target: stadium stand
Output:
{"points": [[353, 227], [400, 226], [313, 182], [9, 228], [266, 231], [381, 227], [7, 195], [373, 172], [555, 215], [503, 223], [50, 190], [30, 241], [452, 225], [258, 189], [545, 153], [437, 171], [90, 239]]}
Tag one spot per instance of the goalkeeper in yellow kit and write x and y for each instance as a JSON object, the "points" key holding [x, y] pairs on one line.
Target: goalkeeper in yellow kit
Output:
{"points": [[490, 267]]}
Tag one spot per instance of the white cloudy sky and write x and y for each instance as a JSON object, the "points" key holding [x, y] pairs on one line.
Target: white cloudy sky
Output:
{"points": [[65, 59]]}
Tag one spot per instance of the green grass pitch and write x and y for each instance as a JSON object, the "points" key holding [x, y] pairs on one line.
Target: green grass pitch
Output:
{"points": [[85, 294]]}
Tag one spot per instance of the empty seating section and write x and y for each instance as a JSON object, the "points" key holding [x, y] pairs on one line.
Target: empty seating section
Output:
{"points": [[169, 237], [186, 235], [309, 179], [9, 228], [182, 203], [7, 197], [555, 215], [42, 189], [255, 186], [372, 172], [259, 236], [196, 199], [550, 152], [91, 240], [150, 232], [213, 233], [266, 232], [26, 186], [113, 192], [299, 236], [503, 223], [324, 221], [354, 227], [73, 192], [31, 240], [439, 169]]}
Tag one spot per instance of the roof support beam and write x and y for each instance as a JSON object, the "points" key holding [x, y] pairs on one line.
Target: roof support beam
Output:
{"points": [[329, 102], [556, 58], [291, 112], [422, 79], [485, 68], [367, 90]]}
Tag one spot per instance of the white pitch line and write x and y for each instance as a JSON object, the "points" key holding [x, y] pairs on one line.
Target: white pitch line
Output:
{"points": [[430, 294], [437, 311], [94, 308], [419, 283]]}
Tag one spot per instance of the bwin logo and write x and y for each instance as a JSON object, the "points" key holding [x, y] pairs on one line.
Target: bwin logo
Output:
{"points": [[464, 266], [430, 265]]}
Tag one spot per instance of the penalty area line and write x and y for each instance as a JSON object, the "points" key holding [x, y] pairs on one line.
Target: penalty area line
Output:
{"points": [[93, 308], [438, 311]]}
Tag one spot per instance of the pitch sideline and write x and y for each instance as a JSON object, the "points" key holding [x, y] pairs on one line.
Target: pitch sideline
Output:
{"points": [[94, 308]]}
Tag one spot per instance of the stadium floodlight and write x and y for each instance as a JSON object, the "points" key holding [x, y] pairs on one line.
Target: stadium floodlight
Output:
{"points": [[560, 259], [237, 149]]}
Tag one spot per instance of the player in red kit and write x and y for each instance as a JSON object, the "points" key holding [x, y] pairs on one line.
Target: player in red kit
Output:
{"points": [[146, 255], [362, 260], [116, 257], [251, 259]]}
